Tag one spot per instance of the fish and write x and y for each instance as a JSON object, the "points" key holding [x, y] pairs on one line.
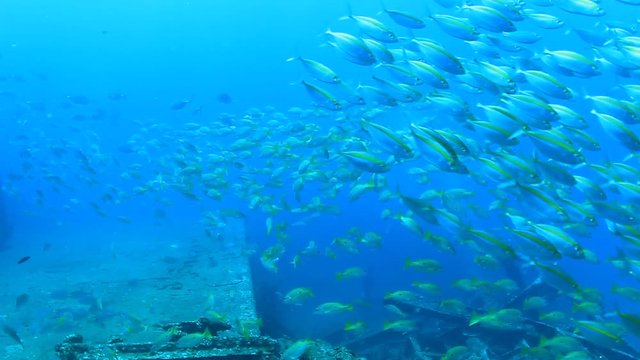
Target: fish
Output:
{"points": [[297, 349], [617, 129], [373, 28], [570, 63], [224, 98], [558, 278], [318, 70], [352, 47], [24, 259], [543, 20], [356, 326], [437, 149], [333, 308], [547, 84], [523, 36], [297, 296], [380, 51], [581, 7], [623, 110], [367, 161], [600, 333], [403, 326], [179, 105], [116, 96], [389, 140], [428, 265], [13, 334], [488, 18], [322, 97], [350, 273], [437, 55], [402, 74], [429, 74], [404, 19], [456, 27], [401, 295], [21, 300], [501, 319], [376, 95], [79, 99], [560, 239]]}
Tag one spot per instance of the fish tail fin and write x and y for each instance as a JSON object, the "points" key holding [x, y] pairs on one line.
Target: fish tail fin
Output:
{"points": [[383, 6], [534, 157], [543, 340], [475, 319], [427, 235], [294, 57], [428, 11], [349, 13], [326, 34]]}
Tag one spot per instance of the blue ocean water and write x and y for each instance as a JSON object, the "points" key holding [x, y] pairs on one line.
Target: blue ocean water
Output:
{"points": [[133, 133]]}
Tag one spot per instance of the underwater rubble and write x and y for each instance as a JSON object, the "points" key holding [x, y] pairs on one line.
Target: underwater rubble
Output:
{"points": [[263, 348], [218, 346]]}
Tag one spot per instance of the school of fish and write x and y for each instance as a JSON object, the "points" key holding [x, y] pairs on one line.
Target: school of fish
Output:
{"points": [[515, 120], [486, 101]]}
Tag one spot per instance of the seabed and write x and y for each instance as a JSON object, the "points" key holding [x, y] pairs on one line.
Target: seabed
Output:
{"points": [[159, 309]]}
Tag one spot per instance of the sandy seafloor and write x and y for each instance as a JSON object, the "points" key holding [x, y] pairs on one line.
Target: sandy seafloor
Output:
{"points": [[120, 283]]}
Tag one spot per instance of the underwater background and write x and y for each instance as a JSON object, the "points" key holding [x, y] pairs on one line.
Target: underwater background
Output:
{"points": [[355, 165]]}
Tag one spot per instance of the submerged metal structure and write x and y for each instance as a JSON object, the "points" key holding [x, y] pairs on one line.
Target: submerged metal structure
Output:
{"points": [[440, 330]]}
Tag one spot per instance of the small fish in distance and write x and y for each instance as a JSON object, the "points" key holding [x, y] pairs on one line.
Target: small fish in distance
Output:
{"points": [[21, 300], [224, 98], [180, 105]]}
